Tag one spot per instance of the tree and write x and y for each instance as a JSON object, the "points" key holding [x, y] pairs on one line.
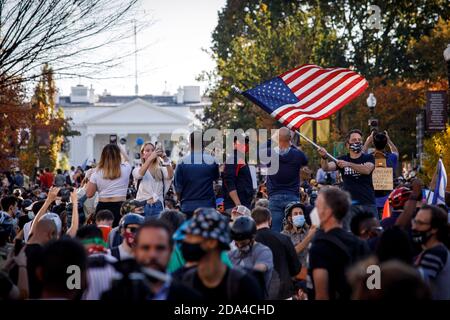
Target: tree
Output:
{"points": [[437, 146], [46, 119], [57, 31], [231, 22], [426, 52], [14, 119], [263, 51], [382, 53]]}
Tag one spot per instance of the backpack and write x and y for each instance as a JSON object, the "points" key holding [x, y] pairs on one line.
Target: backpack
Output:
{"points": [[353, 254], [234, 277]]}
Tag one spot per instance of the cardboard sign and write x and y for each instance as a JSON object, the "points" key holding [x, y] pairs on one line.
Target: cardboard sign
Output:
{"points": [[383, 178]]}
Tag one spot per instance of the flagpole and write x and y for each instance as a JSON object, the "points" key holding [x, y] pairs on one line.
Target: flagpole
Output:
{"points": [[239, 91], [314, 144]]}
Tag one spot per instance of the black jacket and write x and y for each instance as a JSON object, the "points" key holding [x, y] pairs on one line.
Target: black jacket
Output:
{"points": [[285, 262], [237, 177]]}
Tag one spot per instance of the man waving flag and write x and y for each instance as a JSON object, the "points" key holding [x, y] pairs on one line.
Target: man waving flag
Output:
{"points": [[307, 92]]}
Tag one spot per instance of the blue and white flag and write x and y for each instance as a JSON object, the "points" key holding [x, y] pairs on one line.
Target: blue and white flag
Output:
{"points": [[438, 195]]}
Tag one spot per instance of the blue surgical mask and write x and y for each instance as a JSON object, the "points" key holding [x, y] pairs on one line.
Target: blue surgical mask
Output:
{"points": [[298, 221]]}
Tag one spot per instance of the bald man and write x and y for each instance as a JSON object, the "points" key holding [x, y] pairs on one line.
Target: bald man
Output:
{"points": [[284, 185], [45, 231]]}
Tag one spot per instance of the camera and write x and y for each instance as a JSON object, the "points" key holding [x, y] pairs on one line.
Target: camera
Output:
{"points": [[373, 125], [64, 193]]}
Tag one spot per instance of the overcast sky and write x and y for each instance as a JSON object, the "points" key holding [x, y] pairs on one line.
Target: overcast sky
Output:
{"points": [[180, 30]]}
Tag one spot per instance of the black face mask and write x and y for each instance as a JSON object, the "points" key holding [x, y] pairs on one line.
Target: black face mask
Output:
{"points": [[420, 237], [192, 252], [356, 147]]}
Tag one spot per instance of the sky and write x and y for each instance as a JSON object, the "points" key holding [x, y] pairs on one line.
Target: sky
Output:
{"points": [[173, 50]]}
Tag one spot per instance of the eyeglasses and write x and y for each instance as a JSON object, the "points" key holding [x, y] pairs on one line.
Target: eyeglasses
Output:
{"points": [[420, 223]]}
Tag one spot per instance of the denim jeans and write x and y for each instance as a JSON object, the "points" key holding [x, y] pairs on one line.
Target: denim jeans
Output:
{"points": [[355, 209], [277, 203], [153, 210]]}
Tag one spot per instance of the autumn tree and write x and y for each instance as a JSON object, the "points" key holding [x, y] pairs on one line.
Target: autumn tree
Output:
{"points": [[14, 119], [46, 119]]}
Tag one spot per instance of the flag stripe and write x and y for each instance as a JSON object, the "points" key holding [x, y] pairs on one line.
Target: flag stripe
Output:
{"points": [[289, 73], [298, 73], [325, 103], [301, 76], [320, 98], [331, 108], [307, 92], [322, 77]]}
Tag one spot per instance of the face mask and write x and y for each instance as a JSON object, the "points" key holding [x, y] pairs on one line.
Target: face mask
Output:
{"points": [[192, 251], [129, 238], [356, 147], [298, 221], [420, 237], [30, 215]]}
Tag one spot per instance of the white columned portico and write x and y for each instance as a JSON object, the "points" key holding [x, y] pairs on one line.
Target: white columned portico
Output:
{"points": [[124, 136], [90, 147]]}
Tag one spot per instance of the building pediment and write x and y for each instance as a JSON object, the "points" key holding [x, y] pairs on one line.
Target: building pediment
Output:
{"points": [[139, 111]]}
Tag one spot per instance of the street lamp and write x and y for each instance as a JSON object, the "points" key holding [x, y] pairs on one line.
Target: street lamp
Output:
{"points": [[447, 60], [371, 103]]}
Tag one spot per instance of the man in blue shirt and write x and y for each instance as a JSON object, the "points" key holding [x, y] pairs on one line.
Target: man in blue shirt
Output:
{"points": [[194, 177], [284, 186]]}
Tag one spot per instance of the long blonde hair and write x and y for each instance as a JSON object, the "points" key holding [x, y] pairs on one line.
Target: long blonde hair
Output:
{"points": [[155, 167], [110, 162]]}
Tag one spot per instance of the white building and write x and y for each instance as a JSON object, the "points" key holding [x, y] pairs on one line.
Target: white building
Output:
{"points": [[152, 118]]}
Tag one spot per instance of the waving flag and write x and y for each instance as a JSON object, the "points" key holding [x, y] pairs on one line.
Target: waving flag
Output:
{"points": [[438, 196], [307, 92]]}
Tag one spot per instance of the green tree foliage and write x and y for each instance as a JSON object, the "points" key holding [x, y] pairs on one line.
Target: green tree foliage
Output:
{"points": [[382, 53], [267, 48]]}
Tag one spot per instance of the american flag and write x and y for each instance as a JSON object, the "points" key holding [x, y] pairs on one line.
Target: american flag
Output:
{"points": [[307, 92]]}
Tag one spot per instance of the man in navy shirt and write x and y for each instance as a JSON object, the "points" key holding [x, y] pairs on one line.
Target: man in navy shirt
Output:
{"points": [[356, 170], [284, 186], [194, 177]]}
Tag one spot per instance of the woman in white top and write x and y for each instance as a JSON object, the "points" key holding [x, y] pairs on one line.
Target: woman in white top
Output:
{"points": [[110, 179], [153, 179]]}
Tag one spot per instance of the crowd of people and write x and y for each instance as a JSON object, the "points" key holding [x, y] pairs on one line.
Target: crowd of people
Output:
{"points": [[204, 231]]}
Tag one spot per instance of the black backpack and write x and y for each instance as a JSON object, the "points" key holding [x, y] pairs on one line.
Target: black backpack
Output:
{"points": [[353, 254]]}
